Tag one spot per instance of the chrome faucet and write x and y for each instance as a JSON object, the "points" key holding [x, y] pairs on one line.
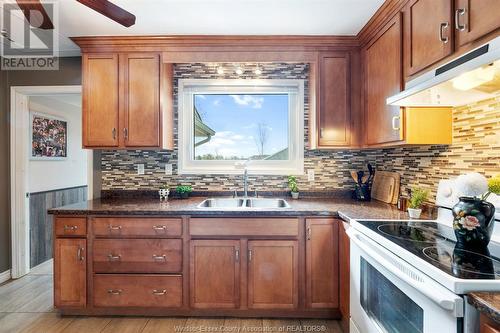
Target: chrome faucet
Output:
{"points": [[245, 182]]}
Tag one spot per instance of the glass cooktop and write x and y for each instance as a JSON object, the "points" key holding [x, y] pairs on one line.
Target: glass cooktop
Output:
{"points": [[435, 243]]}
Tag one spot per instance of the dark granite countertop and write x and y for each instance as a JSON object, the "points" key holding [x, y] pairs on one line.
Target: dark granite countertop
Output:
{"points": [[487, 303], [337, 207]]}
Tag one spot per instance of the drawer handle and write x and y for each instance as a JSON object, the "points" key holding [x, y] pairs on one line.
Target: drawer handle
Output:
{"points": [[114, 291], [112, 257], [159, 258], [460, 12], [159, 292], [79, 254], [160, 228], [394, 126], [114, 228], [442, 27], [70, 227]]}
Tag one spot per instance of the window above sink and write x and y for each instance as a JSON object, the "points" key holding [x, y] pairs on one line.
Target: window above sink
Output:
{"points": [[225, 121]]}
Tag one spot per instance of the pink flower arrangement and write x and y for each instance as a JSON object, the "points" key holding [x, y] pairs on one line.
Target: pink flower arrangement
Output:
{"points": [[469, 222]]}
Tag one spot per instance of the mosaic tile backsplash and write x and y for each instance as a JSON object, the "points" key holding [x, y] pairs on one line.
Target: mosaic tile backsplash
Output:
{"points": [[476, 147]]}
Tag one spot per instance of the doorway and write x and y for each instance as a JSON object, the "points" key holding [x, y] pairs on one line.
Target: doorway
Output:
{"points": [[49, 168]]}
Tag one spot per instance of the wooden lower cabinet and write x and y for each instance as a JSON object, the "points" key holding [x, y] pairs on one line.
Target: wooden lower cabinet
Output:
{"points": [[70, 272], [488, 325], [215, 274], [273, 274], [322, 263], [134, 290], [288, 268]]}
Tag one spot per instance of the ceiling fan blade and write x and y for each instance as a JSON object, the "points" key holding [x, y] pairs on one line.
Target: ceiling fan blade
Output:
{"points": [[35, 14], [110, 10]]}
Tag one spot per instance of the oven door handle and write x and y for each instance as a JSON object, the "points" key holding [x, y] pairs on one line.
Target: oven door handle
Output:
{"points": [[446, 300]]}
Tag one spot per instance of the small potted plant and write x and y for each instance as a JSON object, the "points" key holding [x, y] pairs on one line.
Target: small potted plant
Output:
{"points": [[418, 197], [163, 192], [294, 188], [184, 191]]}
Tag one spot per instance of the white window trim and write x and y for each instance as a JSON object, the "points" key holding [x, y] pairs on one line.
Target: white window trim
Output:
{"points": [[188, 87]]}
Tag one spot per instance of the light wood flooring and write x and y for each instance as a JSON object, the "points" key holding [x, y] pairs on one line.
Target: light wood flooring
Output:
{"points": [[26, 305]]}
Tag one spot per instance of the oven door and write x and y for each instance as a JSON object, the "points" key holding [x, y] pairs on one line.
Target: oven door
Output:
{"points": [[389, 295]]}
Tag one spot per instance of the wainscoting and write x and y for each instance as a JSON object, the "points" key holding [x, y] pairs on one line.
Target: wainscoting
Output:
{"points": [[41, 224]]}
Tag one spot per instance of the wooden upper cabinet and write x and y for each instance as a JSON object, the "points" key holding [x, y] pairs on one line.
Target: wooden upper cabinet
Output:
{"points": [[273, 274], [141, 114], [70, 262], [428, 33], [127, 101], [334, 116], [215, 273], [474, 19], [100, 100], [383, 78], [322, 263]]}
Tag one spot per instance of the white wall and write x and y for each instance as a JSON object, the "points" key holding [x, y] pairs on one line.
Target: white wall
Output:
{"points": [[53, 175]]}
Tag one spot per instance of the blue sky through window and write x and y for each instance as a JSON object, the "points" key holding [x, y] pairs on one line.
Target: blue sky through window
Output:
{"points": [[240, 122]]}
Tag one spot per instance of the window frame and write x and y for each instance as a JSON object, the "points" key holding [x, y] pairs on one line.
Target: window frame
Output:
{"points": [[187, 88]]}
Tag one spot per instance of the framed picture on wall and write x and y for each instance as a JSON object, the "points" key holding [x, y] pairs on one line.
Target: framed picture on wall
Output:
{"points": [[48, 137]]}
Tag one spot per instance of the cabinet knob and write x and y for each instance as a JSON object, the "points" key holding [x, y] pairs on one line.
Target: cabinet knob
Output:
{"points": [[112, 257], [309, 233], [162, 257], [157, 228], [442, 27], [459, 13], [250, 254], [114, 291], [114, 228], [125, 133], [159, 292], [70, 227], [237, 255], [113, 132]]}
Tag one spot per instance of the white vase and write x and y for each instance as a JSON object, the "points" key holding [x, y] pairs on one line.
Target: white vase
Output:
{"points": [[414, 212], [295, 195]]}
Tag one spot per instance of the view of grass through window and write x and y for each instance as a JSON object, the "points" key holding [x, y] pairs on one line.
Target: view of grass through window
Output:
{"points": [[241, 126]]}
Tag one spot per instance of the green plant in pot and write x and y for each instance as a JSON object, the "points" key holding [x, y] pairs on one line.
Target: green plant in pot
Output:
{"points": [[417, 198], [293, 186], [474, 217], [184, 191]]}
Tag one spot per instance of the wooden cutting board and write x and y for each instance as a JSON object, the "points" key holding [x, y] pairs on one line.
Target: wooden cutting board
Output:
{"points": [[385, 186]]}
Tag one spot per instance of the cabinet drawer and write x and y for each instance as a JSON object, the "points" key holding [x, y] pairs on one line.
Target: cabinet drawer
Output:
{"points": [[243, 227], [71, 226], [137, 255], [161, 291], [136, 227]]}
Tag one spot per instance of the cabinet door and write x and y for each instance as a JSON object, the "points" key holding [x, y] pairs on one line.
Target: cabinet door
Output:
{"points": [[141, 88], [100, 100], [428, 33], [70, 287], [383, 78], [322, 262], [334, 117], [273, 274], [215, 273], [474, 19]]}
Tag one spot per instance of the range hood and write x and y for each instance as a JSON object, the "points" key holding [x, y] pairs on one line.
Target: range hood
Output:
{"points": [[472, 77]]}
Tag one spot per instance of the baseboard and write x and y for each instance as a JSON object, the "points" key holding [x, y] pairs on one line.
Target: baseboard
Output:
{"points": [[5, 276]]}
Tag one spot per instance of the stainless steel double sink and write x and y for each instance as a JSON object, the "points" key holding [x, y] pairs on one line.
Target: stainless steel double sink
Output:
{"points": [[243, 203]]}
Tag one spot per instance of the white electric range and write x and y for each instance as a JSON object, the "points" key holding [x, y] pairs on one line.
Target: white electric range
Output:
{"points": [[410, 276]]}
